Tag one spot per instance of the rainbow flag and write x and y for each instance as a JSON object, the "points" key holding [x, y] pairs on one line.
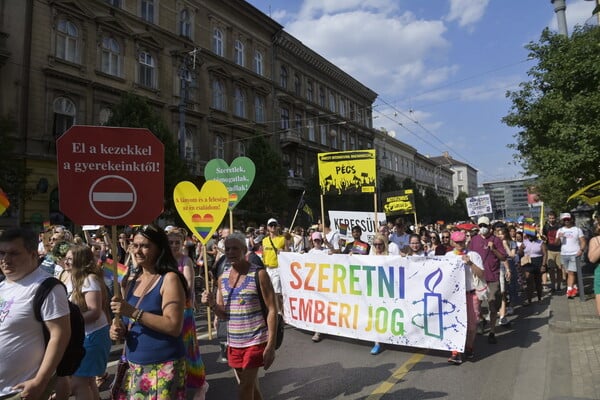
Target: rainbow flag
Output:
{"points": [[4, 202], [529, 229], [359, 248], [233, 198], [108, 270]]}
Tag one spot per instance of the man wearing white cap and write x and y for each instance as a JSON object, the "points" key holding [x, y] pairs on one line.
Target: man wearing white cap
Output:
{"points": [[572, 242], [272, 244], [492, 252]]}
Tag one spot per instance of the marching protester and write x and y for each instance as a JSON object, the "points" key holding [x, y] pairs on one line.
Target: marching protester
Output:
{"points": [[573, 243], [317, 248], [473, 265], [88, 291], [250, 337], [196, 375], [152, 305], [273, 243], [533, 262], [380, 246], [28, 365]]}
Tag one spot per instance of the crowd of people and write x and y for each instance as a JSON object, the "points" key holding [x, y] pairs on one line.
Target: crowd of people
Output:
{"points": [[155, 300]]}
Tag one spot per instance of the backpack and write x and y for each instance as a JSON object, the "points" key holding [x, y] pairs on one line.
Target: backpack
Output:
{"points": [[263, 307], [75, 351]]}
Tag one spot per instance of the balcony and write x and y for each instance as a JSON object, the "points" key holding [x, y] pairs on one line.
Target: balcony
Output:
{"points": [[295, 182], [290, 137]]}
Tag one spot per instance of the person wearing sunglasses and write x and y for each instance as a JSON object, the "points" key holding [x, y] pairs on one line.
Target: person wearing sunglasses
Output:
{"points": [[152, 306], [445, 245], [273, 243]]}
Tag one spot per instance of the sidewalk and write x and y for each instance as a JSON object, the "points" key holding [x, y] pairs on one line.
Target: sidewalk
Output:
{"points": [[574, 362]]}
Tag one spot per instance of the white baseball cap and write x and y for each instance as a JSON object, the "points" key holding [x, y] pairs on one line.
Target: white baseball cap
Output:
{"points": [[565, 216], [483, 220], [272, 221]]}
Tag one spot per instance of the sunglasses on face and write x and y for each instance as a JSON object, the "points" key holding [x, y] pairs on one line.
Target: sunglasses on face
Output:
{"points": [[377, 244], [272, 225]]}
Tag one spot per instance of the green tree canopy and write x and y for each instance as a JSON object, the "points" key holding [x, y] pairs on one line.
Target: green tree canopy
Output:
{"points": [[134, 112], [558, 113]]}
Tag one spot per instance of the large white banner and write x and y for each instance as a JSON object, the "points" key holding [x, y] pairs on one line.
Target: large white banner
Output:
{"points": [[409, 301]]}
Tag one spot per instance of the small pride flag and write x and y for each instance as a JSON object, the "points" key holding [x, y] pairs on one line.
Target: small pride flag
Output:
{"points": [[233, 198], [359, 248], [203, 225], [4, 202], [529, 229], [108, 270]]}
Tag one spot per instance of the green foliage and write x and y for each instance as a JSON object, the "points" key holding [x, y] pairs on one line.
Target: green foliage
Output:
{"points": [[558, 113], [134, 112], [268, 195], [14, 174]]}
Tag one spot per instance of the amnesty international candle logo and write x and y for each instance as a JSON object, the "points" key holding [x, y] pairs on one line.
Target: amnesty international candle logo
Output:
{"points": [[202, 211], [347, 172]]}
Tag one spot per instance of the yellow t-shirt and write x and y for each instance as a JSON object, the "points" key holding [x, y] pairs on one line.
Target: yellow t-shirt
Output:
{"points": [[269, 253]]}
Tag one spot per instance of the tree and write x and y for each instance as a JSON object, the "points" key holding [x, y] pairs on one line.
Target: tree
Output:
{"points": [[267, 196], [558, 111], [134, 112], [14, 173]]}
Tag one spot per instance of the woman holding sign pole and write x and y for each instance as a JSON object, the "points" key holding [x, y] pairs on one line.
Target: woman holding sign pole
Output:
{"points": [[380, 248], [152, 305]]}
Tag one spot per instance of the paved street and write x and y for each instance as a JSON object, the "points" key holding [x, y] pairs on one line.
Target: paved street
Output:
{"points": [[550, 351]]}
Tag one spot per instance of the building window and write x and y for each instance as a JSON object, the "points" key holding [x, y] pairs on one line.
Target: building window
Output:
{"points": [[67, 41], [285, 118], [283, 77], [309, 91], [104, 115], [323, 130], [343, 107], [343, 141], [218, 42], [147, 70], [111, 57], [298, 122], [64, 115], [352, 142], [334, 139], [147, 10], [238, 53], [185, 23], [258, 63], [321, 96], [311, 130], [240, 103], [189, 145], [114, 3], [219, 150], [297, 85], [299, 165], [332, 106], [240, 149], [459, 175], [218, 95], [259, 109]]}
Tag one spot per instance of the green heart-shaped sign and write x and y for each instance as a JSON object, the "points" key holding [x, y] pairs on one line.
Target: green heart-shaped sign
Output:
{"points": [[237, 177]]}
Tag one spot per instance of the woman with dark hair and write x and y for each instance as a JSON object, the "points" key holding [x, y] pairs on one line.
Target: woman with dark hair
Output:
{"points": [[535, 249], [88, 291], [153, 303]]}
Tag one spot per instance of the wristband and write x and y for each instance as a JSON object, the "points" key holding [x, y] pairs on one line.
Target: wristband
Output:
{"points": [[139, 316]]}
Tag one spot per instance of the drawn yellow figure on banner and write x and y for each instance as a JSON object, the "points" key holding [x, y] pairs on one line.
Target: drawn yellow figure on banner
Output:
{"points": [[346, 172]]}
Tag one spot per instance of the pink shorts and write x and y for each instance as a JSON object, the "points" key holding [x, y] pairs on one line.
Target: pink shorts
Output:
{"points": [[246, 357]]}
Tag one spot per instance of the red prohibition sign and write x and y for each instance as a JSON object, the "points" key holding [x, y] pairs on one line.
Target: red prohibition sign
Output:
{"points": [[112, 197]]}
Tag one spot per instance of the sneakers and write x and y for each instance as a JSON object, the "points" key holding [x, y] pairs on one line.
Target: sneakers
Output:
{"points": [[316, 337], [469, 354], [455, 358], [509, 310], [376, 349], [572, 293], [222, 359], [492, 338]]}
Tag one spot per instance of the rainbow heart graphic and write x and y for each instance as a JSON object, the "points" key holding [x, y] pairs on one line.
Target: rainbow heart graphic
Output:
{"points": [[237, 177], [202, 211]]}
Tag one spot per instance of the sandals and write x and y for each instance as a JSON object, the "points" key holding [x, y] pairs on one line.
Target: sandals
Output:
{"points": [[100, 380]]}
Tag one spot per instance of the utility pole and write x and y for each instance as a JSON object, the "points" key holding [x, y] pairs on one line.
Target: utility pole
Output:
{"points": [[560, 8]]}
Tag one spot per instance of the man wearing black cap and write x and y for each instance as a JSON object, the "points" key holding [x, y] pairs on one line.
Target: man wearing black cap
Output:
{"points": [[273, 243]]}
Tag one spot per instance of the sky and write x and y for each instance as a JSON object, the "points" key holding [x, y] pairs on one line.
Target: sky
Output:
{"points": [[441, 68]]}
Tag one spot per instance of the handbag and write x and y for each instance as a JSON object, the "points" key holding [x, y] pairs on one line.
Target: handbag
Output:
{"points": [[525, 260], [481, 288], [116, 387]]}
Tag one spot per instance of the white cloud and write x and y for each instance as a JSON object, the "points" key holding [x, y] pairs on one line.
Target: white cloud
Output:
{"points": [[374, 46], [466, 12]]}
